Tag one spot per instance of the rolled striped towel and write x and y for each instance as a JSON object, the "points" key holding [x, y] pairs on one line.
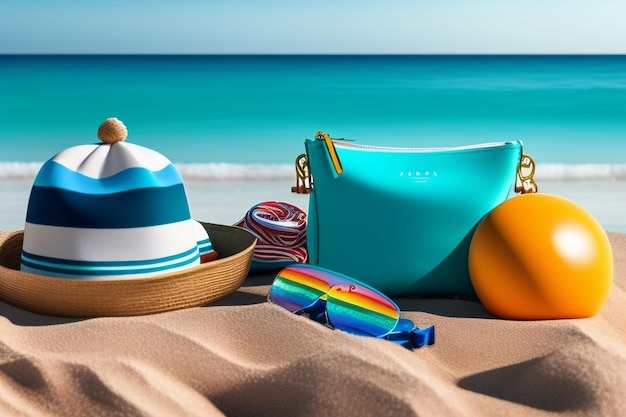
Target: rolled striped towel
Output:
{"points": [[281, 232]]}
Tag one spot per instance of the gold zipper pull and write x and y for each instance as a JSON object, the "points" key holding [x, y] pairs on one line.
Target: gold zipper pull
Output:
{"points": [[331, 150]]}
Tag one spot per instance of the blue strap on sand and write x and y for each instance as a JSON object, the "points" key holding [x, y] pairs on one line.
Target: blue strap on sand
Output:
{"points": [[411, 337], [404, 334]]}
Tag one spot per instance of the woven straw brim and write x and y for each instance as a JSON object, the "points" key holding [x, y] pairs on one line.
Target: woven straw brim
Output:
{"points": [[126, 297]]}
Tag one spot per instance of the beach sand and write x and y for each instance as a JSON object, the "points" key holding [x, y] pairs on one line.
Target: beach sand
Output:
{"points": [[242, 356]]}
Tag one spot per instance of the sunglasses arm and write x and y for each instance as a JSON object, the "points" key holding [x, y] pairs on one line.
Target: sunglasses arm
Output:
{"points": [[414, 338]]}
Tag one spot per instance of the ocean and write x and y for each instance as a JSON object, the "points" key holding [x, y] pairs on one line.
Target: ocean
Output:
{"points": [[234, 124]]}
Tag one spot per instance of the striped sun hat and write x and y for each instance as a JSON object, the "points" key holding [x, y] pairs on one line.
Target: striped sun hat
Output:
{"points": [[113, 211]]}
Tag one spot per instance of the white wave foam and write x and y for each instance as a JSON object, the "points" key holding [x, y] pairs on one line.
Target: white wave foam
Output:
{"points": [[19, 170], [224, 171], [196, 171], [264, 172], [580, 172]]}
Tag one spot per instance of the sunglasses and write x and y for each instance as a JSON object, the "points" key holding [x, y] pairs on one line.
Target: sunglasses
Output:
{"points": [[345, 304]]}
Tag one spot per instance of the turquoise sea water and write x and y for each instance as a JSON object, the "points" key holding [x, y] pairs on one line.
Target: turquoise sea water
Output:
{"points": [[259, 109], [235, 117]]}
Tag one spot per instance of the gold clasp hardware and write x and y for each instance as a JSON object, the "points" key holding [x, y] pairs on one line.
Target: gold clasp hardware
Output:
{"points": [[331, 150], [525, 181], [303, 175]]}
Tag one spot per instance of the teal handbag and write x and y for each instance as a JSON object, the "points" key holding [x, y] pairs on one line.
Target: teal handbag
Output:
{"points": [[401, 219]]}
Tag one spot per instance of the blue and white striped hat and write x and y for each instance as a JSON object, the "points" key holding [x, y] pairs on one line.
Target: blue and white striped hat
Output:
{"points": [[108, 233], [110, 210]]}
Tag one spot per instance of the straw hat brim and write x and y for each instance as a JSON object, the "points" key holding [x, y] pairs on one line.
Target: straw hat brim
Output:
{"points": [[192, 287]]}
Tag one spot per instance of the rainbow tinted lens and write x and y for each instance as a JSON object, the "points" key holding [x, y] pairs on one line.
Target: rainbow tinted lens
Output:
{"points": [[357, 309], [351, 306], [292, 292]]}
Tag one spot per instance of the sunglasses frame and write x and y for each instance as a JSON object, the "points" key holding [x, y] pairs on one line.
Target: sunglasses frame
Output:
{"points": [[382, 313]]}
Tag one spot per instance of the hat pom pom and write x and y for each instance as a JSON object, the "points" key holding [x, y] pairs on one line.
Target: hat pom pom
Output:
{"points": [[112, 130]]}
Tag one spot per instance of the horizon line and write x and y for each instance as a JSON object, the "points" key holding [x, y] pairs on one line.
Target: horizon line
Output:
{"points": [[315, 53]]}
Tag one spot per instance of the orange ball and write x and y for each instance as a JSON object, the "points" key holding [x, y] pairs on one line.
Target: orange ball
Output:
{"points": [[539, 256]]}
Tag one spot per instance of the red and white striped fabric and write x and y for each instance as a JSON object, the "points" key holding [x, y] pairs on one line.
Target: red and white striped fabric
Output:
{"points": [[280, 229]]}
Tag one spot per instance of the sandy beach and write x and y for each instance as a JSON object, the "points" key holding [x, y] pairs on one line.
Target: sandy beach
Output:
{"points": [[242, 356]]}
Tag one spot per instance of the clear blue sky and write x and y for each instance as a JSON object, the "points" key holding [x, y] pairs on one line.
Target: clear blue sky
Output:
{"points": [[313, 26]]}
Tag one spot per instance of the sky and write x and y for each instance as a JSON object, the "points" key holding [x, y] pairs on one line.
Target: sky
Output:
{"points": [[313, 26]]}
